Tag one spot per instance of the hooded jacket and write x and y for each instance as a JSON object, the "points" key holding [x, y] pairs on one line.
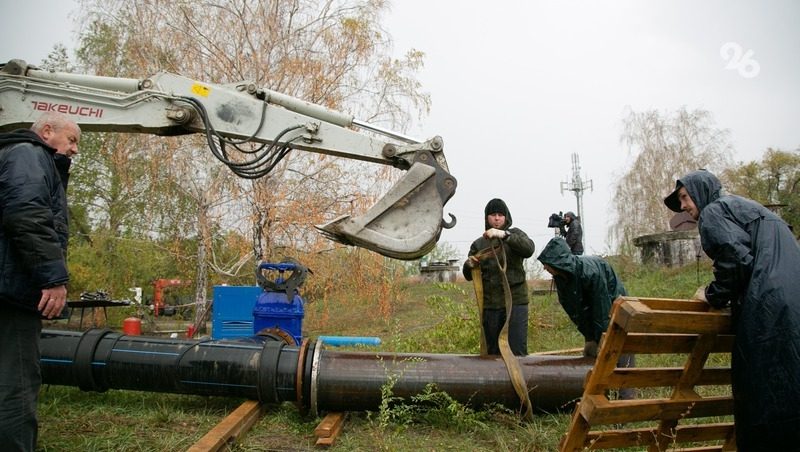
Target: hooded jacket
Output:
{"points": [[33, 216], [757, 271], [517, 246], [586, 285]]}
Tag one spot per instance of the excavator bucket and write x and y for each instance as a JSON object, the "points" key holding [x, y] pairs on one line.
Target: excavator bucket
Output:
{"points": [[407, 221]]}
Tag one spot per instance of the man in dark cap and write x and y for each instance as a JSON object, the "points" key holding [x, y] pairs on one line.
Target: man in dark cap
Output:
{"points": [[756, 272], [573, 233], [500, 253]]}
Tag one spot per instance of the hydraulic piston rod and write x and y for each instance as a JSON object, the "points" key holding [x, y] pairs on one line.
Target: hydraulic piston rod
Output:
{"points": [[310, 376]]}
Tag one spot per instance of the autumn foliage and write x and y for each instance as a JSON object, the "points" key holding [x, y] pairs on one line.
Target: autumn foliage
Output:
{"points": [[164, 207]]}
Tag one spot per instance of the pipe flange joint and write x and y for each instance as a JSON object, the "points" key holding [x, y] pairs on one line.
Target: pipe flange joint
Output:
{"points": [[84, 355], [268, 371]]}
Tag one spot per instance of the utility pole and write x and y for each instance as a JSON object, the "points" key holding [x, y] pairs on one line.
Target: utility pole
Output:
{"points": [[578, 185]]}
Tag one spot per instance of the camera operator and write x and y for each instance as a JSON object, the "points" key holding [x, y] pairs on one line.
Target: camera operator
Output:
{"points": [[573, 233]]}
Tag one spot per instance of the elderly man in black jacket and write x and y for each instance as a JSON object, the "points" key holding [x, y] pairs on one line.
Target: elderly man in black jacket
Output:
{"points": [[33, 244], [757, 272]]}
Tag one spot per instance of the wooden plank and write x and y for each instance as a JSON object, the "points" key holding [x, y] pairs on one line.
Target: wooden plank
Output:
{"points": [[703, 449], [566, 351], [636, 317], [669, 304], [730, 440], [705, 432], [696, 362], [329, 423], [599, 410], [230, 429], [329, 429], [576, 434], [614, 439], [656, 343], [653, 377]]}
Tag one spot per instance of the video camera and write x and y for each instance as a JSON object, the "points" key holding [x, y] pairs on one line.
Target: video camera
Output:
{"points": [[556, 220]]}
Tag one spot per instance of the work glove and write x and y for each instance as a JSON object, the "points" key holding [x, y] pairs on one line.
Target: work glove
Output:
{"points": [[700, 294], [495, 234], [590, 349], [473, 262]]}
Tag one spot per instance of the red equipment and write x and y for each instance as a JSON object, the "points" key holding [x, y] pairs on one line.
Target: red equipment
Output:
{"points": [[132, 326], [158, 291]]}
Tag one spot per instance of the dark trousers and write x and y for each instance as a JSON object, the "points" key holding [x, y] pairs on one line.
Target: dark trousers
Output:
{"points": [[493, 321], [20, 378]]}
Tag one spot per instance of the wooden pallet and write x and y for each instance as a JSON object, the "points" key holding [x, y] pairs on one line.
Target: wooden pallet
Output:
{"points": [[686, 420]]}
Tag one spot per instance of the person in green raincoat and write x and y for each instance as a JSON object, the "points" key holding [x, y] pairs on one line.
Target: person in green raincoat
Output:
{"points": [[586, 286]]}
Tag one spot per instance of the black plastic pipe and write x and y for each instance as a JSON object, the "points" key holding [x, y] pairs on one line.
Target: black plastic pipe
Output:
{"points": [[315, 379]]}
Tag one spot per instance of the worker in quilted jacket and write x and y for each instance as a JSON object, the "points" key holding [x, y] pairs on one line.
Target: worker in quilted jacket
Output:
{"points": [[511, 247]]}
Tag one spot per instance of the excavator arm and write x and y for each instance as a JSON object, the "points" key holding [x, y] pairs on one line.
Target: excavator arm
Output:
{"points": [[404, 224]]}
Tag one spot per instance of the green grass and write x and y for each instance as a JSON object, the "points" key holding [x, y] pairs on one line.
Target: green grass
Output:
{"points": [[125, 420], [430, 318]]}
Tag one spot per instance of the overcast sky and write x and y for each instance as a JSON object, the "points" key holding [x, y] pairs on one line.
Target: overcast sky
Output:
{"points": [[519, 86]]}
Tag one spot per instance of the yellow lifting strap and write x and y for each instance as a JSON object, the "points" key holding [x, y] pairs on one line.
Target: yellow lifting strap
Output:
{"points": [[511, 362], [477, 283]]}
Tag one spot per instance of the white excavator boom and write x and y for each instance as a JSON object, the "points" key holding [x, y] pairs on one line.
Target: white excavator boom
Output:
{"points": [[404, 224]]}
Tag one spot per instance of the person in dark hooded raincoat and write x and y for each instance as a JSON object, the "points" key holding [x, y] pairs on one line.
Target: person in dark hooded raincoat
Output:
{"points": [[587, 286], [517, 247], [757, 271]]}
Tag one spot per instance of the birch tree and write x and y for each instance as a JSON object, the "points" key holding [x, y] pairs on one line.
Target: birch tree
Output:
{"points": [[664, 146]]}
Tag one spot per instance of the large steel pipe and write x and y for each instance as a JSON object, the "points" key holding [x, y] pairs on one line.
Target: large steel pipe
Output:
{"points": [[352, 381], [271, 371]]}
